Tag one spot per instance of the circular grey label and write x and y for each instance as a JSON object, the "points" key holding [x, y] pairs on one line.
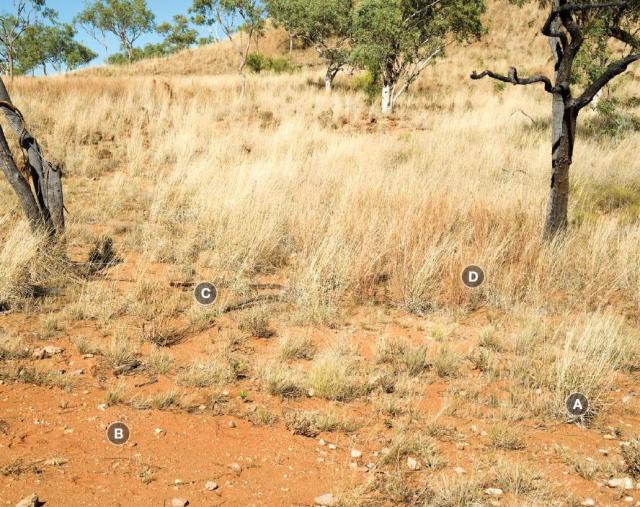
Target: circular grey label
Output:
{"points": [[205, 293], [577, 404], [118, 433], [473, 276]]}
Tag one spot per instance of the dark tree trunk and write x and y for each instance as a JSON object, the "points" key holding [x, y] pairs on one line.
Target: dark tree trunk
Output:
{"points": [[47, 179], [19, 185], [558, 205]]}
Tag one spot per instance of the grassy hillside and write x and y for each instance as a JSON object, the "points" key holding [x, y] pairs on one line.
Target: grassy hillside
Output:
{"points": [[337, 239]]}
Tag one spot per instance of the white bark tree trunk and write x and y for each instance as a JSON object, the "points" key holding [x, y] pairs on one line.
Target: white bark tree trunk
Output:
{"points": [[387, 99]]}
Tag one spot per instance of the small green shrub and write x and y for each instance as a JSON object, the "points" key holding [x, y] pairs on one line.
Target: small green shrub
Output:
{"points": [[257, 62]]}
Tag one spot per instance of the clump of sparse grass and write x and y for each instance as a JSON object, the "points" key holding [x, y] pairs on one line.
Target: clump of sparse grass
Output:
{"points": [[503, 436], [489, 338], [255, 322], [85, 346], [311, 424], [446, 362], [159, 362], [403, 356], [120, 351], [221, 368], [416, 445], [11, 347], [263, 417], [161, 332], [457, 492], [593, 351], [631, 455], [296, 347], [332, 376], [281, 380], [518, 479], [115, 395], [163, 401]]}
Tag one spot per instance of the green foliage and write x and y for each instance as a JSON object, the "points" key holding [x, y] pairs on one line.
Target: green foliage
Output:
{"points": [[179, 35], [146, 52], [13, 25], [42, 46], [324, 24], [257, 62], [247, 15], [621, 199], [611, 122], [388, 31], [126, 19]]}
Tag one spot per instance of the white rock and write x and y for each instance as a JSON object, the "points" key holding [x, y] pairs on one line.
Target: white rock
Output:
{"points": [[628, 499], [158, 432], [588, 502], [325, 500], [623, 482], [231, 424], [179, 502], [496, 492], [355, 454], [102, 406], [322, 442], [412, 464], [459, 470], [211, 486], [29, 501], [333, 447], [236, 468]]}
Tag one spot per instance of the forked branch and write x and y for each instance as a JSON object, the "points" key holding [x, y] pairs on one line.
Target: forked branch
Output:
{"points": [[514, 79], [613, 70]]}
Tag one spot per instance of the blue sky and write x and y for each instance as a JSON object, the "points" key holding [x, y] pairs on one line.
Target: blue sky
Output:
{"points": [[163, 9]]}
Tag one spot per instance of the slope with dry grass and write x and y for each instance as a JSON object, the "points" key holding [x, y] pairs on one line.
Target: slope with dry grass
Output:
{"points": [[347, 234]]}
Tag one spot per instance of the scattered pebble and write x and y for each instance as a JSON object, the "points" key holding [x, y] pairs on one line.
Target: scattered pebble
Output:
{"points": [[322, 442], [211, 486], [459, 470], [495, 492], [179, 502], [325, 500], [412, 464], [333, 447], [158, 432], [588, 502], [236, 468], [355, 454], [623, 482], [102, 406], [29, 501], [231, 424], [46, 352], [87, 356]]}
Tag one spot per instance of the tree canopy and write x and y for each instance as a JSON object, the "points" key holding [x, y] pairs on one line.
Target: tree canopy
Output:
{"points": [[128, 20]]}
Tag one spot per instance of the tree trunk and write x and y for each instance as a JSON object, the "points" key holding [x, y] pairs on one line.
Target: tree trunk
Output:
{"points": [[19, 184], [290, 44], [10, 63], [558, 205], [387, 99], [47, 179], [329, 77]]}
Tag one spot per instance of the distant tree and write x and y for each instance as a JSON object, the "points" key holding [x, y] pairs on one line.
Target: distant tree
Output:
{"points": [[128, 20], [325, 25], [232, 16], [51, 45], [178, 35], [148, 51], [397, 39], [14, 22], [592, 42]]}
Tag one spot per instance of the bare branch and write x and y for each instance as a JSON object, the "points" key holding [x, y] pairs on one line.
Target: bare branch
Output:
{"points": [[613, 70], [514, 79]]}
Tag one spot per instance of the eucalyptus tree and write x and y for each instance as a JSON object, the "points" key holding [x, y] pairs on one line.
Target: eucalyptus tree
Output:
{"points": [[15, 19], [397, 39], [606, 34], [128, 20], [326, 25], [234, 17]]}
